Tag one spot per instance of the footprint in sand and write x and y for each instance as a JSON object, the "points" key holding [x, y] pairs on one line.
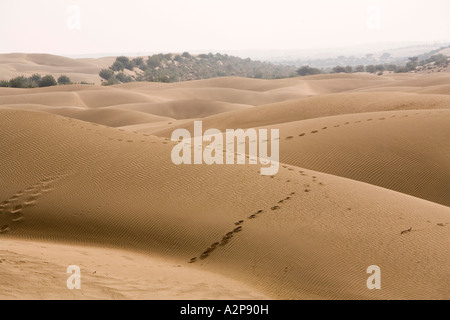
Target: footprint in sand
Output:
{"points": [[30, 201], [238, 229], [46, 189], [4, 229], [301, 134], [315, 131], [17, 209], [17, 217]]}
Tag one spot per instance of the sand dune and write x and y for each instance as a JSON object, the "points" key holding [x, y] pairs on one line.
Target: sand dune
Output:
{"points": [[363, 181], [313, 245], [184, 109], [406, 151], [320, 106], [16, 64]]}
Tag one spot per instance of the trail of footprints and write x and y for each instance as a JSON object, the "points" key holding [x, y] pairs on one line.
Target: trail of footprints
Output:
{"points": [[359, 121], [238, 225], [12, 209]]}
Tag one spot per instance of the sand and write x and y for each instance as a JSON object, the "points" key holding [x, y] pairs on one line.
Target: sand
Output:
{"points": [[363, 180]]}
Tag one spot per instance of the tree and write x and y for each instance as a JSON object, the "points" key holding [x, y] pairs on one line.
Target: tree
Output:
{"points": [[106, 74], [307, 70], [360, 68], [154, 61], [35, 78], [186, 55], [439, 59], [371, 68], [117, 66], [348, 69], [124, 60], [63, 79], [18, 82], [380, 68], [139, 61], [47, 81], [122, 77], [412, 63], [339, 69]]}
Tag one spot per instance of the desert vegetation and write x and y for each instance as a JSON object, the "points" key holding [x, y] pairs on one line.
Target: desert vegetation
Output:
{"points": [[35, 81], [183, 67]]}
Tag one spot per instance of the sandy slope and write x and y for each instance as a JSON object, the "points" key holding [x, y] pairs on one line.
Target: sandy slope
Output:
{"points": [[364, 159], [97, 185], [38, 270], [406, 151]]}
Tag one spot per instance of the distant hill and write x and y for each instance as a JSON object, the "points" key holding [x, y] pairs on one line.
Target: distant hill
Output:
{"points": [[185, 67], [28, 64]]}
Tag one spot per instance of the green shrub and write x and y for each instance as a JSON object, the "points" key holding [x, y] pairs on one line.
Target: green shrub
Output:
{"points": [[47, 81], [307, 71], [63, 79], [106, 74], [117, 66]]}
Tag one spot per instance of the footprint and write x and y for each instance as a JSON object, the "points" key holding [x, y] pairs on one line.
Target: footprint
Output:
{"points": [[315, 131], [17, 217], [4, 229], [301, 134], [30, 201], [17, 209], [46, 189], [289, 138], [324, 128], [238, 229]]}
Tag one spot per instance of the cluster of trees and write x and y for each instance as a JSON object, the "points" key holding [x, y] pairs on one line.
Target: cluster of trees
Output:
{"points": [[35, 81], [412, 64], [184, 67]]}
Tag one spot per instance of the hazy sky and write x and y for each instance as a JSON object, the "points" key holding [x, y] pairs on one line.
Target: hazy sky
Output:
{"points": [[102, 26]]}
